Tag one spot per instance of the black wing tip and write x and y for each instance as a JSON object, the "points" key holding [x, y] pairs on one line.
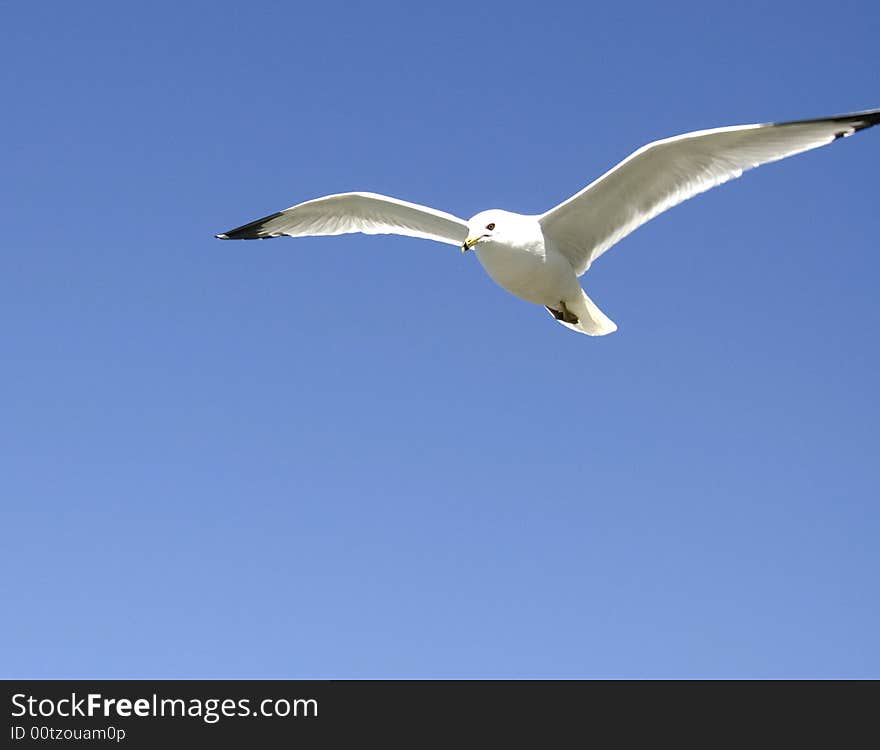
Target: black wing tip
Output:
{"points": [[252, 231], [854, 121], [859, 121], [868, 118]]}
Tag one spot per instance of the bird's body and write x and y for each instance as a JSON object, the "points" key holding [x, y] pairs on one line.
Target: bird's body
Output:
{"points": [[540, 257], [520, 260], [526, 263], [534, 271]]}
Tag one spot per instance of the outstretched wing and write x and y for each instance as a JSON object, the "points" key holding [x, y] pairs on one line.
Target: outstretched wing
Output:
{"points": [[346, 213], [665, 173]]}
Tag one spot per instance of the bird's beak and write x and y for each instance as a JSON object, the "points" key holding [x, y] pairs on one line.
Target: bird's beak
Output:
{"points": [[469, 243]]}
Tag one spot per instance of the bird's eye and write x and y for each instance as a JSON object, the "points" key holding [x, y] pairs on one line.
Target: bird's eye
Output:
{"points": [[490, 227]]}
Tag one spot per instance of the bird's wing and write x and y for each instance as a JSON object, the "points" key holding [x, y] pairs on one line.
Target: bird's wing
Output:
{"points": [[665, 173], [355, 212]]}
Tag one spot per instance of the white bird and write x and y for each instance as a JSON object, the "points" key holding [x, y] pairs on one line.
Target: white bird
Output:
{"points": [[540, 257]]}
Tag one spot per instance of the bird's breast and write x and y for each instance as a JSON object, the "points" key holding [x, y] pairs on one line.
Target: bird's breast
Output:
{"points": [[528, 271]]}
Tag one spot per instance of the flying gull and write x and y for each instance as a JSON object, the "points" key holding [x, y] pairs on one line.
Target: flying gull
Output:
{"points": [[540, 257]]}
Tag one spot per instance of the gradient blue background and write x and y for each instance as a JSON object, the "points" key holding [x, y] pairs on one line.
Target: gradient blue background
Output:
{"points": [[356, 456]]}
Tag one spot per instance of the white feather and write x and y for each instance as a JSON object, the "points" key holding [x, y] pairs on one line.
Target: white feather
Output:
{"points": [[347, 213], [665, 173]]}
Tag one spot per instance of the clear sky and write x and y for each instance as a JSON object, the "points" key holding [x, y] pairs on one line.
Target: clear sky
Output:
{"points": [[356, 456]]}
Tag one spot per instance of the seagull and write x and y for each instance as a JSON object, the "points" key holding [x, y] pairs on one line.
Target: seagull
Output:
{"points": [[539, 257]]}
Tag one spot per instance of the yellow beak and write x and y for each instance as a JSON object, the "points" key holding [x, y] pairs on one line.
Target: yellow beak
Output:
{"points": [[469, 243]]}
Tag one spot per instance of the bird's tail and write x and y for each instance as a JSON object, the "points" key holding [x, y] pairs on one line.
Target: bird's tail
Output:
{"points": [[591, 320]]}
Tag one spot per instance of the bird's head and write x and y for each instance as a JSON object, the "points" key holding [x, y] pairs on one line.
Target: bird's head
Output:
{"points": [[485, 226]]}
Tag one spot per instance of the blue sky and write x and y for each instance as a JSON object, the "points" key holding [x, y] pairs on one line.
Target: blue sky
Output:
{"points": [[356, 456]]}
